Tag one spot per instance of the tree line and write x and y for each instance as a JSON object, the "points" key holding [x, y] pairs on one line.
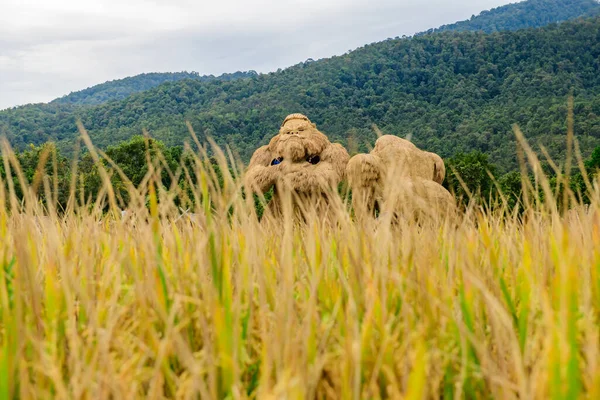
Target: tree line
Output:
{"points": [[471, 176]]}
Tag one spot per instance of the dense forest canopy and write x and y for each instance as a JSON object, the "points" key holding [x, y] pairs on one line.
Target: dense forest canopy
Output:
{"points": [[451, 92], [121, 88], [526, 14]]}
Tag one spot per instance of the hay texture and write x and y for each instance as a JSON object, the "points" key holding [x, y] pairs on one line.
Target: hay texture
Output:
{"points": [[302, 166], [400, 179]]}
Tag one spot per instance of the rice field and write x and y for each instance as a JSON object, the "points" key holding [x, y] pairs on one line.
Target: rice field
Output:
{"points": [[210, 304]]}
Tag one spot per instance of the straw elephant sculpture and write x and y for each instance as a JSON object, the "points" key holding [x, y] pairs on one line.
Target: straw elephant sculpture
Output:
{"points": [[398, 178]]}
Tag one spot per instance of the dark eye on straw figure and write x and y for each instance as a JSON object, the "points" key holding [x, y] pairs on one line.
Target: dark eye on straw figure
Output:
{"points": [[313, 159], [277, 160]]}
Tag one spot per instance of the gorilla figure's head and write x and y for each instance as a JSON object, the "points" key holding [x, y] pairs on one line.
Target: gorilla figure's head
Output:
{"points": [[298, 141]]}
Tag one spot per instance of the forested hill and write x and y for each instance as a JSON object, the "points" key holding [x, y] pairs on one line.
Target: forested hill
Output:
{"points": [[451, 91], [526, 14], [121, 88]]}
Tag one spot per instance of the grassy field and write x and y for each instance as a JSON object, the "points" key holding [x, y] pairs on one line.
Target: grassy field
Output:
{"points": [[160, 304]]}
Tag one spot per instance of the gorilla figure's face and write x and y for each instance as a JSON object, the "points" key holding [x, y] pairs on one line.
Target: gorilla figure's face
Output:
{"points": [[298, 141]]}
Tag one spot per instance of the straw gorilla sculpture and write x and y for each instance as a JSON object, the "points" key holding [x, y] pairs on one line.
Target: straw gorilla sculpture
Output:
{"points": [[399, 178], [299, 159]]}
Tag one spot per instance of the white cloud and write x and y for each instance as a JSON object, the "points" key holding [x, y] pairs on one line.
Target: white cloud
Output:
{"points": [[52, 47]]}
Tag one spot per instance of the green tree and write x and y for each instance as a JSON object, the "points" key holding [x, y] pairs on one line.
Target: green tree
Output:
{"points": [[44, 170], [132, 158], [511, 187], [577, 182], [593, 163], [474, 170]]}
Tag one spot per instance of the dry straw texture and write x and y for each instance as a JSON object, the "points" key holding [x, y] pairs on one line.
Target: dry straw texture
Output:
{"points": [[211, 305], [299, 158], [399, 178]]}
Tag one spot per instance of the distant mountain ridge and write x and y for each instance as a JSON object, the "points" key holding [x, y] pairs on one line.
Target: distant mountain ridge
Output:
{"points": [[121, 88], [525, 14]]}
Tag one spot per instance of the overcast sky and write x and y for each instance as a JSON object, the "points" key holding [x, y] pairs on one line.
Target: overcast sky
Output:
{"points": [[49, 48]]}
